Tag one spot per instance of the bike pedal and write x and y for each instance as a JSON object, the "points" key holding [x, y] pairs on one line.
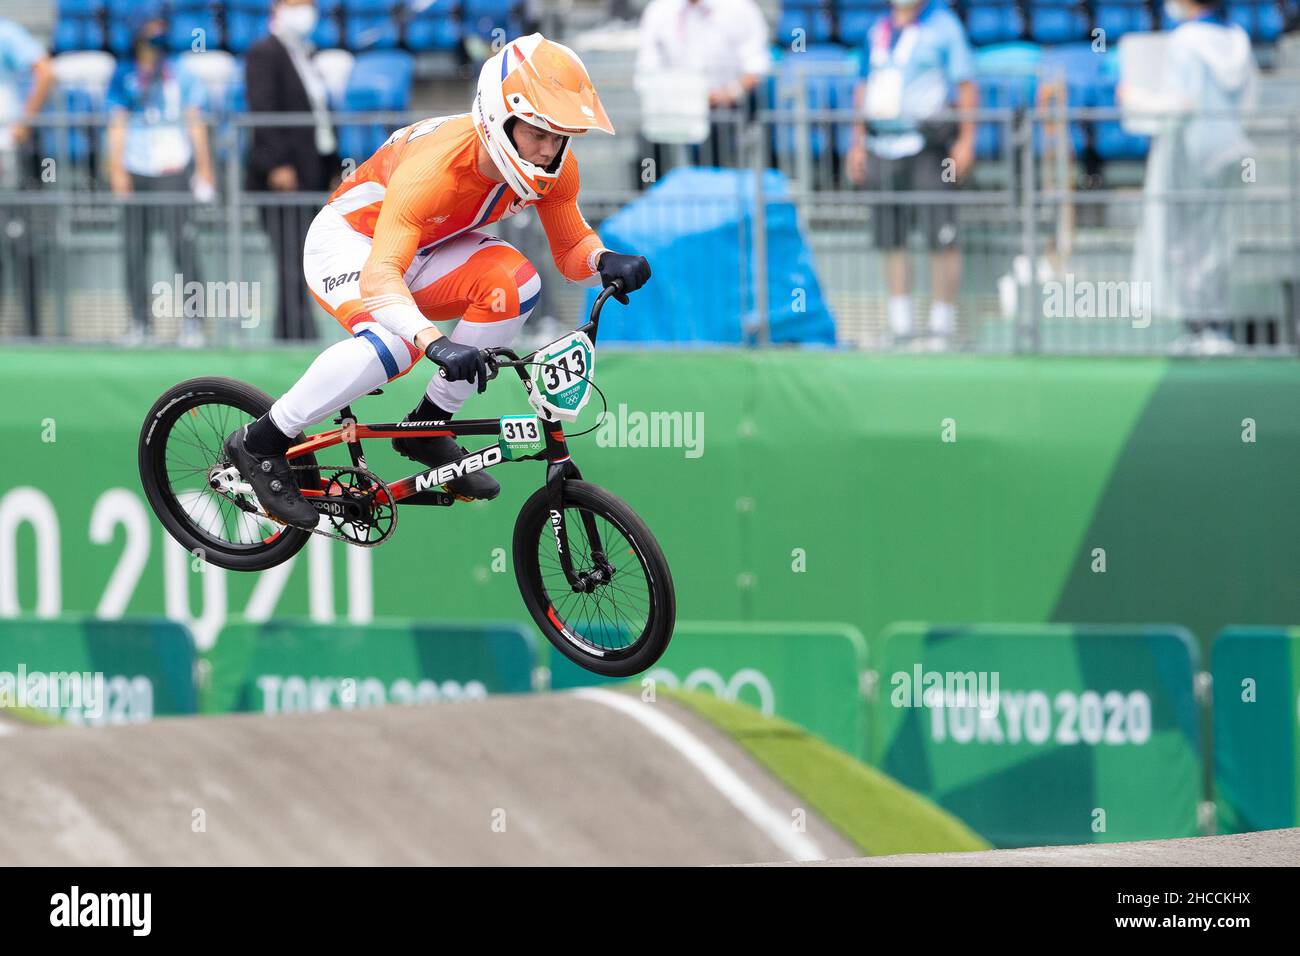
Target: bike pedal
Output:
{"points": [[456, 495]]}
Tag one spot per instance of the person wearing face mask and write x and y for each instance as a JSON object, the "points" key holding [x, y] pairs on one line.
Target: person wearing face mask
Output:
{"points": [[280, 77], [919, 65], [1185, 248], [157, 142]]}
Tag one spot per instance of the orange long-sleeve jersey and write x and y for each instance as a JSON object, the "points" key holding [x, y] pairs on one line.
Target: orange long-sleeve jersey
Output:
{"points": [[422, 187]]}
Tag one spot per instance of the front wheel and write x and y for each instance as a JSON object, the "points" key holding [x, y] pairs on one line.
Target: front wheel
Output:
{"points": [[619, 623]]}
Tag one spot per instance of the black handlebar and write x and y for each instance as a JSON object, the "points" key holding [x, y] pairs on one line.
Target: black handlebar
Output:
{"points": [[593, 324]]}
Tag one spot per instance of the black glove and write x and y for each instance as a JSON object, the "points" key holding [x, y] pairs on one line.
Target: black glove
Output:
{"points": [[633, 270], [460, 363]]}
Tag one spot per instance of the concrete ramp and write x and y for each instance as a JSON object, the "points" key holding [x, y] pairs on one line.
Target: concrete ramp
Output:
{"points": [[586, 778], [1265, 848]]}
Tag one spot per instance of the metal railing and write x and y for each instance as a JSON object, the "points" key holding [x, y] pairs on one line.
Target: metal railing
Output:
{"points": [[1038, 232]]}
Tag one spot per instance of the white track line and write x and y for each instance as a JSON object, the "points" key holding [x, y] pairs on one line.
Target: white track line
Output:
{"points": [[774, 824]]}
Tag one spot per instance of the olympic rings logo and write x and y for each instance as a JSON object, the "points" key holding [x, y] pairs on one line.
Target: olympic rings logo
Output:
{"points": [[729, 690]]}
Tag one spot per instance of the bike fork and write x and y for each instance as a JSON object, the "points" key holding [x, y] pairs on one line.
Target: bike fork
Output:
{"points": [[557, 472]]}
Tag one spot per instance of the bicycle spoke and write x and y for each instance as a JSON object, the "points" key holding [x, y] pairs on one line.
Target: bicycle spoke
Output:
{"points": [[193, 445], [612, 616]]}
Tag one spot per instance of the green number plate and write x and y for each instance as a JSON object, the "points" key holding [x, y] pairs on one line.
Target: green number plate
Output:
{"points": [[562, 375], [521, 436]]}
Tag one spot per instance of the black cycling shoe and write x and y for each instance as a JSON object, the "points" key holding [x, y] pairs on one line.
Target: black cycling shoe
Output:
{"points": [[439, 450], [273, 483]]}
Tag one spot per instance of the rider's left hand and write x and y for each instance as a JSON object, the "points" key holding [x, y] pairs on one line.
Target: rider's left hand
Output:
{"points": [[633, 270]]}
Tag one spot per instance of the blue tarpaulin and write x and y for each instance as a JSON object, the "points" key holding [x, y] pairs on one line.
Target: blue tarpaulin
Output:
{"points": [[696, 228]]}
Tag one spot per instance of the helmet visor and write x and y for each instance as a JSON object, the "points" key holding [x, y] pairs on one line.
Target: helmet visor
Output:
{"points": [[558, 90]]}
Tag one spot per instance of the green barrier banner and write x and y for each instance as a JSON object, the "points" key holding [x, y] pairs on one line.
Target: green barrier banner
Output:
{"points": [[290, 666], [810, 674], [88, 671], [1256, 675], [1037, 489], [1039, 735]]}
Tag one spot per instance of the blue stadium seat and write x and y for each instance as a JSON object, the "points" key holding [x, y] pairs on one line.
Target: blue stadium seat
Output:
{"points": [[119, 38], [822, 69], [856, 18], [79, 26], [480, 17], [51, 139], [243, 29], [118, 13], [359, 140], [810, 16], [434, 28], [1111, 140], [484, 26], [388, 73], [1083, 71], [182, 36], [1117, 17], [1000, 92], [328, 34], [500, 9], [77, 32], [993, 21], [1058, 21], [370, 31], [1082, 66], [1263, 21]]}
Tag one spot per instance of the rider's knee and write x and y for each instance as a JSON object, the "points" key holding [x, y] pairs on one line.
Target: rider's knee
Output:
{"points": [[507, 289]]}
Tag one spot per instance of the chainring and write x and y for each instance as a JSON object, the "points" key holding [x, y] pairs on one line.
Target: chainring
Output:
{"points": [[365, 486], [342, 480]]}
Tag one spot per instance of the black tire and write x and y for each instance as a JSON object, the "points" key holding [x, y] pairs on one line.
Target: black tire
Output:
{"points": [[537, 564], [228, 404]]}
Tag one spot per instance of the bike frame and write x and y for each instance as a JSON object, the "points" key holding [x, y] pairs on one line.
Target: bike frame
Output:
{"points": [[420, 488]]}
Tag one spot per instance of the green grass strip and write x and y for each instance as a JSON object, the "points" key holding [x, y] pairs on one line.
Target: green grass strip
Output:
{"points": [[29, 715], [872, 810]]}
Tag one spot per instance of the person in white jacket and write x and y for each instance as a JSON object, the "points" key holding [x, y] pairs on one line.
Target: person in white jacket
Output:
{"points": [[1185, 248]]}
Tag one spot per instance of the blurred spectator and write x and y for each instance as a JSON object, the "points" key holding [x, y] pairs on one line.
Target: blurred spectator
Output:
{"points": [[919, 60], [722, 41], [1185, 247], [157, 142], [21, 58], [280, 77]]}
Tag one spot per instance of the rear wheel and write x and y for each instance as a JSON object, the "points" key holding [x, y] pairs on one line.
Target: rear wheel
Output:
{"points": [[621, 619], [181, 446]]}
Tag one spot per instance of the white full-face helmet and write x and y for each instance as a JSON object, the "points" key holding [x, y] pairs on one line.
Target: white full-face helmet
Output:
{"points": [[535, 81]]}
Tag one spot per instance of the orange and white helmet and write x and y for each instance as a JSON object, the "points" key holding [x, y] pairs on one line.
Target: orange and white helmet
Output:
{"points": [[542, 83]]}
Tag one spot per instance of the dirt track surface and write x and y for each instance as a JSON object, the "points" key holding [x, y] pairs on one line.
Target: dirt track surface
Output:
{"points": [[1266, 848], [571, 780]]}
